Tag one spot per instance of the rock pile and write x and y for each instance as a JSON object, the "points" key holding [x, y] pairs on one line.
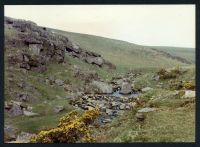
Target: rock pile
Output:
{"points": [[14, 108], [109, 106]]}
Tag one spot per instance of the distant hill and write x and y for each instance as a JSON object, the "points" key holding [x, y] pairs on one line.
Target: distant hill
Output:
{"points": [[186, 53], [127, 55]]}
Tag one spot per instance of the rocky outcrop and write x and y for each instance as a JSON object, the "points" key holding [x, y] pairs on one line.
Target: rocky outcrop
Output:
{"points": [[40, 46], [14, 108]]}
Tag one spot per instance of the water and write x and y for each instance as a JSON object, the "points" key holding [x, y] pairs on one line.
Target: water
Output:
{"points": [[118, 95]]}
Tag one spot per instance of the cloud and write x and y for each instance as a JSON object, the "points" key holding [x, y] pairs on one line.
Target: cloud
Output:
{"points": [[162, 25]]}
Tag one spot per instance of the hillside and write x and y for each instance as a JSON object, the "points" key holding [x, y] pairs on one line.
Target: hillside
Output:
{"points": [[64, 87], [126, 55], [186, 53]]}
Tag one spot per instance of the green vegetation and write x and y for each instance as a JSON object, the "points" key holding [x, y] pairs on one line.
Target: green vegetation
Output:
{"points": [[103, 73], [187, 53], [124, 55], [173, 120], [160, 126]]}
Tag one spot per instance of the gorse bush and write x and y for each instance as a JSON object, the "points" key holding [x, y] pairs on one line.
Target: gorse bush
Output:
{"points": [[189, 85], [175, 84], [168, 74], [181, 85], [72, 128]]}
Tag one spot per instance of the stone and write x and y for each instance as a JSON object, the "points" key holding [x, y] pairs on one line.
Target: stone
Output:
{"points": [[59, 82], [23, 137], [146, 89], [122, 106], [107, 120], [26, 86], [109, 112], [189, 94], [29, 108], [85, 97], [51, 79], [125, 88], [140, 116], [10, 133], [89, 107], [58, 109], [95, 60], [114, 104], [155, 77], [29, 113], [35, 48], [127, 107], [15, 110], [6, 105], [15, 102], [133, 104], [125, 99], [103, 108], [147, 109], [22, 97], [24, 106], [102, 88]]}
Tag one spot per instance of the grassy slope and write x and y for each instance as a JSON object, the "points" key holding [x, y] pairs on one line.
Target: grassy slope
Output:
{"points": [[169, 125], [187, 53], [123, 54], [47, 117], [173, 122]]}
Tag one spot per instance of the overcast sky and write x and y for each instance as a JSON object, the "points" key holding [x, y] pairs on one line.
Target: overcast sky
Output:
{"points": [[159, 25]]}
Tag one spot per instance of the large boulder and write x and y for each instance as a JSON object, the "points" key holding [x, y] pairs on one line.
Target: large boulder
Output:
{"points": [[102, 88], [24, 137], [10, 133], [59, 82], [29, 113], [58, 109], [146, 110], [126, 88], [14, 110], [95, 60], [22, 97], [189, 94]]}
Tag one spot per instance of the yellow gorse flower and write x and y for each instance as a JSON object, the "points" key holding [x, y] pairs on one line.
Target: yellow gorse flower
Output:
{"points": [[71, 128]]}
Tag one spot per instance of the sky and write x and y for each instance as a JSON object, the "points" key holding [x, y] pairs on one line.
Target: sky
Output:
{"points": [[154, 25]]}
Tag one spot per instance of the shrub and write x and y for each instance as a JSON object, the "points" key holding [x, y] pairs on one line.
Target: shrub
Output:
{"points": [[189, 85], [178, 85], [71, 128], [173, 73], [175, 84]]}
